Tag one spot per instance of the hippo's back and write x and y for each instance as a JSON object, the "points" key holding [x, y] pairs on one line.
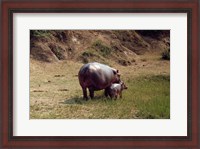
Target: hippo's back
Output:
{"points": [[95, 75]]}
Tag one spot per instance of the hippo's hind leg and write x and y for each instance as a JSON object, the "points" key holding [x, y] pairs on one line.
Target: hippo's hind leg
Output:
{"points": [[85, 93], [120, 94], [91, 93]]}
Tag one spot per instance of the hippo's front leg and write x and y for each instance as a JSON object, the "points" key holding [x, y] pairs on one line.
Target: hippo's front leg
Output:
{"points": [[106, 92]]}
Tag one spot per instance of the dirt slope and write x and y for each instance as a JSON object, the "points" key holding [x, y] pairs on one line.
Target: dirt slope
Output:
{"points": [[119, 46]]}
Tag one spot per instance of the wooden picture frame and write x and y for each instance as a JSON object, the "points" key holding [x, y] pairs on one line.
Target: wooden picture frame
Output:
{"points": [[177, 6]]}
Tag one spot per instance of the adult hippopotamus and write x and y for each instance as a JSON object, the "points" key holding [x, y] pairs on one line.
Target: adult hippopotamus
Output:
{"points": [[96, 76]]}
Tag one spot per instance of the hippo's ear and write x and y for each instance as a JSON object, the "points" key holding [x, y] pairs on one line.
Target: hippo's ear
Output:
{"points": [[118, 73], [115, 71]]}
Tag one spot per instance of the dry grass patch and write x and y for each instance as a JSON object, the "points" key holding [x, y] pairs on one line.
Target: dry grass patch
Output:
{"points": [[55, 92]]}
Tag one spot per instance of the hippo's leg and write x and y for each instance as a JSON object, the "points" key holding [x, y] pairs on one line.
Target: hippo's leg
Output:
{"points": [[110, 94], [106, 92], [120, 94], [91, 93], [85, 93], [116, 95]]}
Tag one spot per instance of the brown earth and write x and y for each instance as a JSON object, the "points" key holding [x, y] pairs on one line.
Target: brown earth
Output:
{"points": [[121, 46]]}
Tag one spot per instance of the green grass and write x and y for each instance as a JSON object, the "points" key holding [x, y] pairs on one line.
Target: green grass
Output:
{"points": [[40, 33], [151, 96], [147, 97]]}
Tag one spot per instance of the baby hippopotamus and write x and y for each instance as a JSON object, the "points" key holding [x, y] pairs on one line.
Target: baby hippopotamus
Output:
{"points": [[116, 89]]}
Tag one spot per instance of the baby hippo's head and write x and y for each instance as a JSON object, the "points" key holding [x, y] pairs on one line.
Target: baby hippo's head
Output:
{"points": [[123, 86]]}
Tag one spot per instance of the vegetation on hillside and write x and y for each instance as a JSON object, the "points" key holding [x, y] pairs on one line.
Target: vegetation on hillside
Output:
{"points": [[122, 46], [166, 54]]}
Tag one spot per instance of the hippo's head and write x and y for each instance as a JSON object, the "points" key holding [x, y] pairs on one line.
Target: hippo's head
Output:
{"points": [[116, 76]]}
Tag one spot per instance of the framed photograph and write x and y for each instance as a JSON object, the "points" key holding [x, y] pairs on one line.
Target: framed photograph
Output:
{"points": [[85, 74]]}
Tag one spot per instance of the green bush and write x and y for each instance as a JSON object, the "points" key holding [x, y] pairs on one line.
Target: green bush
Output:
{"points": [[166, 54], [124, 62], [40, 33], [87, 55], [100, 47]]}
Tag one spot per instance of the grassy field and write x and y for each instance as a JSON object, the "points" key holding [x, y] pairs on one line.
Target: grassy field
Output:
{"points": [[55, 92]]}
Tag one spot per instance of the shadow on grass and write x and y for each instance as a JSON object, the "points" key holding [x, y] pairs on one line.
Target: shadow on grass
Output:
{"points": [[74, 100], [80, 100]]}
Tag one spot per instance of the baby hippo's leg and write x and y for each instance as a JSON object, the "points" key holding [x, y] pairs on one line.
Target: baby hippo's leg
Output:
{"points": [[110, 94], [116, 95], [120, 93]]}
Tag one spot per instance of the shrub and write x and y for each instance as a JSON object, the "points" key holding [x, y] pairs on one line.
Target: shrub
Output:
{"points": [[166, 54], [40, 33], [124, 62], [86, 56], [58, 51], [100, 47]]}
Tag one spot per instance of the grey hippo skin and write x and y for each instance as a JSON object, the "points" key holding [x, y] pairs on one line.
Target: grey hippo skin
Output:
{"points": [[96, 76], [116, 89]]}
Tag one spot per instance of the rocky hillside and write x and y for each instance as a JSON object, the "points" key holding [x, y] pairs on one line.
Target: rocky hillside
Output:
{"points": [[120, 46]]}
